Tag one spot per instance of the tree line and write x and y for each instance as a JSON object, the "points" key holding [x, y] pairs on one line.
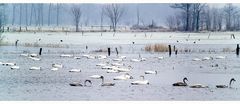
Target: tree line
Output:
{"points": [[201, 17]]}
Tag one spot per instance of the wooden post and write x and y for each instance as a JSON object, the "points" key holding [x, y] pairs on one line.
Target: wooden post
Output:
{"points": [[40, 51], [174, 48], [237, 50], [116, 50], [169, 50], [109, 51], [176, 52]]}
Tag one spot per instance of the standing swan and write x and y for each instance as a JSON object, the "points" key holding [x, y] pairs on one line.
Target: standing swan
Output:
{"points": [[140, 82], [106, 84], [181, 83], [225, 86], [79, 84]]}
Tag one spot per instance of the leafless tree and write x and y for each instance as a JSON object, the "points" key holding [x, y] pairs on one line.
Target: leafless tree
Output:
{"points": [[114, 12], [76, 11], [170, 22], [229, 11]]}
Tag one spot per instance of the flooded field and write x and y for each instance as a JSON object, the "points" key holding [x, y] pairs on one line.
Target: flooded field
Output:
{"points": [[47, 84]]}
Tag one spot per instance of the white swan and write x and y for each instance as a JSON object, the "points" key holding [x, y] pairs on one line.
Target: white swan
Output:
{"points": [[66, 55], [117, 64], [88, 56], [35, 68], [15, 67], [54, 69], [140, 82], [160, 58], [33, 55], [220, 57], [196, 59], [95, 76], [112, 71], [24, 54], [124, 69], [150, 72], [77, 57], [57, 65], [206, 58], [135, 60], [198, 86], [123, 77], [118, 59], [122, 57], [106, 84], [34, 58], [75, 70]]}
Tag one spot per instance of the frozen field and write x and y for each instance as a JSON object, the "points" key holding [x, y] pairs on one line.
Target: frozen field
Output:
{"points": [[45, 84]]}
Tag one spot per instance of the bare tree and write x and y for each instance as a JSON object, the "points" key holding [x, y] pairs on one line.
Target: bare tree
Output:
{"points": [[49, 13], [76, 11], [170, 22], [13, 15], [114, 12], [229, 11]]}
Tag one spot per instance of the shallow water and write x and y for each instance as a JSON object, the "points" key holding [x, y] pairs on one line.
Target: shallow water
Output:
{"points": [[45, 84]]}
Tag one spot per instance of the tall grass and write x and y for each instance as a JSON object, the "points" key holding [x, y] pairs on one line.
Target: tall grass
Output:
{"points": [[156, 47]]}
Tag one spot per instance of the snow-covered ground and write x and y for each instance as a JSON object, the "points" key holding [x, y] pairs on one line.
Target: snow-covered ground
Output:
{"points": [[45, 84]]}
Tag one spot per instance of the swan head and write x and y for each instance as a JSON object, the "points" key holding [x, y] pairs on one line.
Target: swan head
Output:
{"points": [[89, 81], [156, 72], [232, 80], [185, 79], [101, 77]]}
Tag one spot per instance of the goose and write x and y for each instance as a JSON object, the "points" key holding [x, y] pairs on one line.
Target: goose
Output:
{"points": [[124, 69], [140, 82], [150, 72], [225, 86], [95, 76], [79, 84], [66, 55], [196, 59], [35, 68], [123, 77], [15, 67], [220, 57], [54, 69], [57, 65], [181, 83], [75, 70], [9, 64], [106, 84], [112, 71], [118, 59], [117, 64], [198, 86]]}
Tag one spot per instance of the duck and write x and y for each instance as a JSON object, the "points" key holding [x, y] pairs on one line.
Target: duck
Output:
{"points": [[54, 69], [150, 72], [196, 59], [181, 83], [198, 86], [9, 64], [75, 70], [57, 65], [35, 68], [106, 84], [225, 86], [79, 84], [95, 76], [220, 57], [15, 67], [66, 55], [140, 82], [123, 77]]}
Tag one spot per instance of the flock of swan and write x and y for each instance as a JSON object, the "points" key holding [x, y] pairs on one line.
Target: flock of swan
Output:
{"points": [[117, 66]]}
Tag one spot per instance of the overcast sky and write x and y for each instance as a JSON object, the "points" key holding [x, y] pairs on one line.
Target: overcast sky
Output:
{"points": [[91, 13]]}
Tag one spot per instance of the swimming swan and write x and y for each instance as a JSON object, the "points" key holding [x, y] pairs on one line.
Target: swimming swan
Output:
{"points": [[95, 76], [140, 82], [106, 84], [123, 77], [225, 86], [79, 84], [181, 83], [150, 72], [75, 70], [198, 86], [15, 67]]}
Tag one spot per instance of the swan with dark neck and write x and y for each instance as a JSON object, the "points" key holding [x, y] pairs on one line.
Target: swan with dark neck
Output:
{"points": [[181, 83], [225, 86]]}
